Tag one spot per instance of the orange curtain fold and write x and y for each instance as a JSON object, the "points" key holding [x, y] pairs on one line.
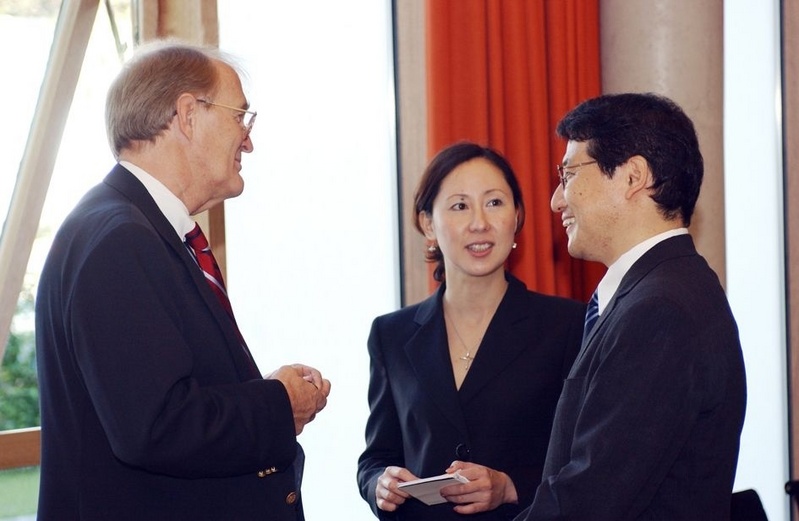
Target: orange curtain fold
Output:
{"points": [[502, 73]]}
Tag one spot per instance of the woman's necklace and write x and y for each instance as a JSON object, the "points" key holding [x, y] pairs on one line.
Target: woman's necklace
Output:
{"points": [[480, 329], [467, 358]]}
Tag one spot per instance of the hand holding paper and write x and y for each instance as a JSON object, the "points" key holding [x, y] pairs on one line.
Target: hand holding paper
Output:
{"points": [[428, 490], [388, 495], [487, 489]]}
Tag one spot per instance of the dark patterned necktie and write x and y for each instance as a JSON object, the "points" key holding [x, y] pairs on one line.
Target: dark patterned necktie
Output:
{"points": [[201, 250], [591, 315]]}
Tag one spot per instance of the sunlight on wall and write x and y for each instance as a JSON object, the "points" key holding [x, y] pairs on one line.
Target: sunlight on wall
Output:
{"points": [[754, 220], [312, 241]]}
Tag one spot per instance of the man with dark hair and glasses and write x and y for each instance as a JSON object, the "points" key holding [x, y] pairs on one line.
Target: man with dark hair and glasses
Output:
{"points": [[152, 405], [649, 421]]}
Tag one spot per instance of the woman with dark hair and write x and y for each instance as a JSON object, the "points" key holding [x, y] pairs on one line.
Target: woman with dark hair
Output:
{"points": [[467, 380]]}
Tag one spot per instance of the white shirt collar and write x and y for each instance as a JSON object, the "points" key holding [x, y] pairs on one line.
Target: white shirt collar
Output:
{"points": [[170, 205], [610, 282]]}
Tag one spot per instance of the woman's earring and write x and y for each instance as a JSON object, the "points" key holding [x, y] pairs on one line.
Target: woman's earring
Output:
{"points": [[432, 248], [514, 246]]}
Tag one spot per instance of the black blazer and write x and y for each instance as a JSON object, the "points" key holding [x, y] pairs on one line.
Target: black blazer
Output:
{"points": [[502, 414], [649, 422], [150, 407]]}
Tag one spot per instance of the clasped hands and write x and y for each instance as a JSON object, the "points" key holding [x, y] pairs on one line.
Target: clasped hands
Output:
{"points": [[307, 391], [486, 490]]}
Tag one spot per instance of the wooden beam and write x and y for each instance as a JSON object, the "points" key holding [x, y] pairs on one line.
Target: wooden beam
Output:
{"points": [[20, 448]]}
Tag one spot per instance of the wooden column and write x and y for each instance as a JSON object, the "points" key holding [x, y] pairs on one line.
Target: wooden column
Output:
{"points": [[675, 48], [790, 86], [411, 77]]}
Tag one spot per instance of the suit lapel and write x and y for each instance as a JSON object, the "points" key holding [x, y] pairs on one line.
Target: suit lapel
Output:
{"points": [[428, 354], [428, 351], [678, 246], [126, 183], [502, 343]]}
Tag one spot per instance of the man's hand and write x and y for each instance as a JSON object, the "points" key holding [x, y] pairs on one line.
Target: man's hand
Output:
{"points": [[307, 392]]}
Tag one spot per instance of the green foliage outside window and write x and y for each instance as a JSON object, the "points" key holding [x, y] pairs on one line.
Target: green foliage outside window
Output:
{"points": [[19, 389]]}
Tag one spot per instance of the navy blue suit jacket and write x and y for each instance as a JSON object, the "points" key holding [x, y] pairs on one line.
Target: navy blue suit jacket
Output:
{"points": [[150, 407], [649, 422], [502, 414]]}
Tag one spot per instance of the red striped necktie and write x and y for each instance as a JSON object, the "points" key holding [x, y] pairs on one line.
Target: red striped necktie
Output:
{"points": [[201, 250]]}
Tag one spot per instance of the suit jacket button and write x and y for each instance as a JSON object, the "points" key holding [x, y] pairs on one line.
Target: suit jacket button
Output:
{"points": [[291, 498], [463, 452], [266, 472]]}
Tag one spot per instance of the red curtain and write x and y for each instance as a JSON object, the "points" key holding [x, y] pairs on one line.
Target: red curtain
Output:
{"points": [[502, 73]]}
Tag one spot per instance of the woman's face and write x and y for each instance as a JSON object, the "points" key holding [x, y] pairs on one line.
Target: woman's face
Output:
{"points": [[473, 220]]}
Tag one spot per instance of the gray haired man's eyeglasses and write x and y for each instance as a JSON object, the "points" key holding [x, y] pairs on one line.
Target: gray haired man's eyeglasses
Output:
{"points": [[247, 116]]}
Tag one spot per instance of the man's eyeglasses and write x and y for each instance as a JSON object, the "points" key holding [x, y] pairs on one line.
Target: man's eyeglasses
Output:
{"points": [[247, 116], [565, 175]]}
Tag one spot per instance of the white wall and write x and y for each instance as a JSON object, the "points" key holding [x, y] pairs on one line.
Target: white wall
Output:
{"points": [[321, 187], [754, 217]]}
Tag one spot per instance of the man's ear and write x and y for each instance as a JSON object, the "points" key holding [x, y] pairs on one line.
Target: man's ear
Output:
{"points": [[186, 114], [638, 176]]}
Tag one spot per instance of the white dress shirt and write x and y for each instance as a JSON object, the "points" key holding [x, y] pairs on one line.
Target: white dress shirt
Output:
{"points": [[170, 205], [610, 282]]}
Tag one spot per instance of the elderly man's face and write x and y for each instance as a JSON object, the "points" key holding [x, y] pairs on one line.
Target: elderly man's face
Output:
{"points": [[221, 141]]}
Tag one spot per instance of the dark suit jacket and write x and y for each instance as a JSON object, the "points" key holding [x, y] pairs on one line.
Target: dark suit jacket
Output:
{"points": [[150, 407], [502, 414], [649, 421]]}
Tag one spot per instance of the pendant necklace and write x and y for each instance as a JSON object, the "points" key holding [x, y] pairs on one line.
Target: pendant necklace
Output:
{"points": [[468, 358]]}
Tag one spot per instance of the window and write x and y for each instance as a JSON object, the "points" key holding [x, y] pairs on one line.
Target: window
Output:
{"points": [[82, 160]]}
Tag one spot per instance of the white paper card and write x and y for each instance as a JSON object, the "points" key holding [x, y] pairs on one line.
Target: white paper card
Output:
{"points": [[427, 490]]}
